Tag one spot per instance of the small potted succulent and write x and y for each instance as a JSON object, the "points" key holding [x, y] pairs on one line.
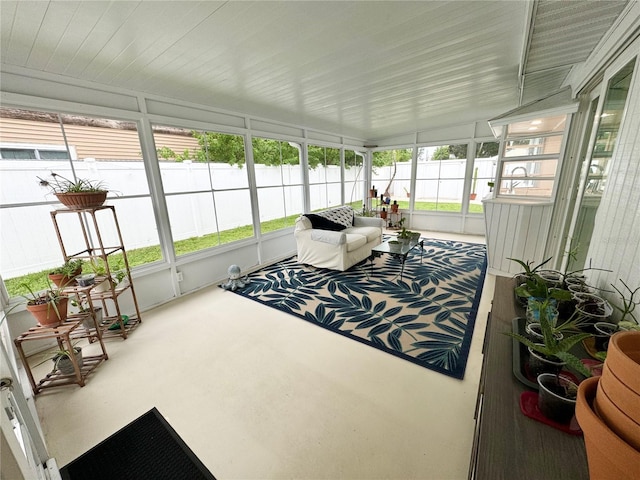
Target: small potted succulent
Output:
{"points": [[78, 193]]}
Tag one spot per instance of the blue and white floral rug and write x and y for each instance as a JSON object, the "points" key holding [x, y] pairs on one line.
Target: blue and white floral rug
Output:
{"points": [[426, 318]]}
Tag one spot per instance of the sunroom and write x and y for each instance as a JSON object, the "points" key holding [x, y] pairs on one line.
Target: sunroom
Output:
{"points": [[216, 124]]}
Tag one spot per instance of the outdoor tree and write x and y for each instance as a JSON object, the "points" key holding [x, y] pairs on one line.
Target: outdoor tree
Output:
{"points": [[322, 156], [389, 157]]}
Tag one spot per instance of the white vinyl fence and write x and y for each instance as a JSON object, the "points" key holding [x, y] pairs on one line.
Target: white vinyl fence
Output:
{"points": [[190, 215]]}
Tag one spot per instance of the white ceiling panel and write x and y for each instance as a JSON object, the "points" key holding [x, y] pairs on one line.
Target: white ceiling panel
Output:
{"points": [[363, 69]]}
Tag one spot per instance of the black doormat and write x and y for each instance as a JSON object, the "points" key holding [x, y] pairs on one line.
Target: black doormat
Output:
{"points": [[147, 448]]}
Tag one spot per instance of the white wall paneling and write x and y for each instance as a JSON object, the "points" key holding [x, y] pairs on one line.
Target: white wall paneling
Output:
{"points": [[515, 230]]}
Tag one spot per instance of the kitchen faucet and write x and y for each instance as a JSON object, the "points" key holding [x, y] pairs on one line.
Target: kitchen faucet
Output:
{"points": [[513, 184]]}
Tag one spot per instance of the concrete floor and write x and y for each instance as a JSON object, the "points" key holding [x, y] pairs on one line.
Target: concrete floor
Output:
{"points": [[259, 394]]}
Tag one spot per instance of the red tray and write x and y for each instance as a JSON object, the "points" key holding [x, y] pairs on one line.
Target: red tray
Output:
{"points": [[529, 406]]}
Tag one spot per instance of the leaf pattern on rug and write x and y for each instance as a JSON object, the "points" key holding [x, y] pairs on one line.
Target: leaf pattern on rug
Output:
{"points": [[427, 317]]}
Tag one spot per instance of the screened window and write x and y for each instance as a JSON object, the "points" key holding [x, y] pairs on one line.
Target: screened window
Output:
{"points": [[102, 150], [391, 176], [206, 187], [325, 183], [530, 158], [278, 182], [354, 180], [484, 171], [440, 178]]}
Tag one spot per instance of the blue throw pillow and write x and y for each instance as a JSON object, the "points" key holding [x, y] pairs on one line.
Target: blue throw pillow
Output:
{"points": [[322, 223]]}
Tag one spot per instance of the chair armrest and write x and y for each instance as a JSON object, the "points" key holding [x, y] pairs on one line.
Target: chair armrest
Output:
{"points": [[328, 236], [368, 222]]}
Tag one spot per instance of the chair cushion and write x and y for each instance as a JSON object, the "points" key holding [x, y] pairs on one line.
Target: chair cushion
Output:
{"points": [[370, 233], [322, 223], [355, 241]]}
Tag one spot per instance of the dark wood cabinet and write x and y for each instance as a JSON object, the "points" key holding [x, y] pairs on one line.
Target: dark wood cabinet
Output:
{"points": [[507, 444]]}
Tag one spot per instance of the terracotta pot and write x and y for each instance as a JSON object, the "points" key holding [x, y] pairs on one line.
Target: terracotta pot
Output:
{"points": [[46, 315], [623, 358], [621, 395], [61, 280], [616, 419], [607, 454]]}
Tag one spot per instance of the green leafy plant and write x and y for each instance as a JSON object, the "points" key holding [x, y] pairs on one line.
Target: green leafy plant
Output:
{"points": [[69, 268], [50, 295], [536, 287], [60, 184], [552, 346], [59, 355], [529, 268]]}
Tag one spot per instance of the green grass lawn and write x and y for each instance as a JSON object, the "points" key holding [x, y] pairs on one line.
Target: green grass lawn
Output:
{"points": [[141, 256]]}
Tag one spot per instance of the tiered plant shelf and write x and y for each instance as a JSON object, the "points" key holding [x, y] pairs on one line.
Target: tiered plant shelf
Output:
{"points": [[63, 334], [105, 290]]}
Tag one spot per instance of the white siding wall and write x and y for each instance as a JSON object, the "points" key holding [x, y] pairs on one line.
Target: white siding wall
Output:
{"points": [[515, 231], [615, 244]]}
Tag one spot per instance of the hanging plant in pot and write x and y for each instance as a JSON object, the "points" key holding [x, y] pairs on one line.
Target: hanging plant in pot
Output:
{"points": [[76, 194]]}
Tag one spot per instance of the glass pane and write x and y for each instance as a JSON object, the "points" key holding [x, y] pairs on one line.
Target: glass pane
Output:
{"points": [[276, 162], [193, 223], [22, 131], [484, 172], [52, 154], [234, 215], [27, 254], [392, 175], [17, 154], [318, 197], [426, 194], [111, 153], [533, 146], [353, 179], [279, 207], [529, 188], [100, 150], [537, 126], [607, 133]]}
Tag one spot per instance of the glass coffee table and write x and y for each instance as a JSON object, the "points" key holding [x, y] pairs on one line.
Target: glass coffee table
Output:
{"points": [[400, 251]]}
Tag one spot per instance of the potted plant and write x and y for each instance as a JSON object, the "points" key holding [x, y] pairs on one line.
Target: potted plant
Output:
{"points": [[78, 193], [557, 397], [61, 359], [528, 273], [553, 353], [533, 291], [628, 320], [88, 316], [557, 394], [48, 307], [64, 275]]}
